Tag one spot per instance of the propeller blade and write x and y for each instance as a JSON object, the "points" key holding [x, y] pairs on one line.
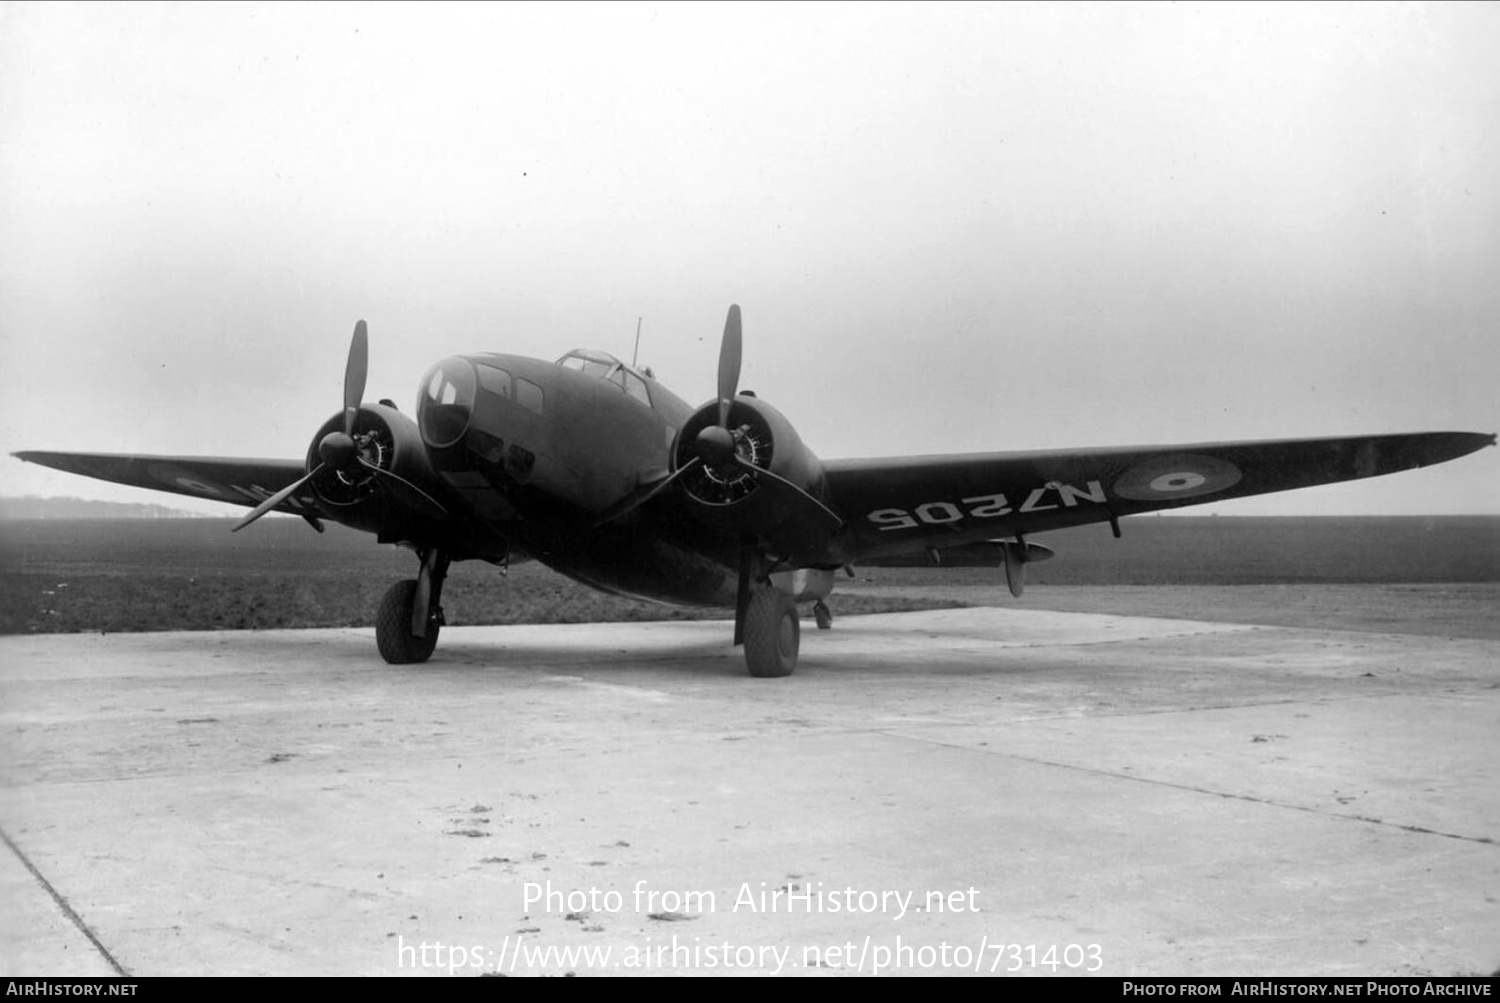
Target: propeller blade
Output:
{"points": [[729, 363], [423, 495], [276, 499], [354, 375], [836, 521], [645, 493], [1015, 567]]}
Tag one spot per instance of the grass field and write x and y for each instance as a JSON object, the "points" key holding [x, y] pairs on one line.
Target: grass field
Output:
{"points": [[1439, 575], [67, 576]]}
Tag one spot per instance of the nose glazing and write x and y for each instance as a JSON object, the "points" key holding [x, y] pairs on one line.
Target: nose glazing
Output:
{"points": [[445, 402]]}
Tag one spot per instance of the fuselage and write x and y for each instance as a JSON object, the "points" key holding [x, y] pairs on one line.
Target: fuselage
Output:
{"points": [[539, 449]]}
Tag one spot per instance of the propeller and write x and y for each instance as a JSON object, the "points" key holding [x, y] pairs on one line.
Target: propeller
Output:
{"points": [[276, 499], [337, 450], [644, 493], [1015, 565], [1017, 554], [355, 371], [715, 444], [835, 521], [730, 350]]}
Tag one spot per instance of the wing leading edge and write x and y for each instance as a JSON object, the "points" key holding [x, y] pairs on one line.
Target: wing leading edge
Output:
{"points": [[904, 505], [239, 482]]}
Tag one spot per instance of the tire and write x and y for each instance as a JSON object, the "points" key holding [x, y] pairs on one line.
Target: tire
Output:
{"points": [[393, 635], [773, 633]]}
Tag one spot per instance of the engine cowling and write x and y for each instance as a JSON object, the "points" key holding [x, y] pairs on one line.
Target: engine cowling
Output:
{"points": [[762, 438], [356, 495], [782, 506]]}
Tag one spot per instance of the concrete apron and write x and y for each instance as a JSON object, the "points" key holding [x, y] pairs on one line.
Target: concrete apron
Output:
{"points": [[975, 790]]}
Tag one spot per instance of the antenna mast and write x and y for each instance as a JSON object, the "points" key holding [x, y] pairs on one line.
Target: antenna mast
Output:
{"points": [[637, 351]]}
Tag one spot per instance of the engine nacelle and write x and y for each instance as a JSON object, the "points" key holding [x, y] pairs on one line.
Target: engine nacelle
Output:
{"points": [[762, 437], [357, 496], [726, 494]]}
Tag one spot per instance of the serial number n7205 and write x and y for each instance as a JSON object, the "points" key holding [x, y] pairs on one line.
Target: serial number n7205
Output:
{"points": [[1052, 495]]}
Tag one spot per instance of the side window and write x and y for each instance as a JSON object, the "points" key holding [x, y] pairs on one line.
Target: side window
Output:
{"points": [[528, 395], [495, 380], [636, 387]]}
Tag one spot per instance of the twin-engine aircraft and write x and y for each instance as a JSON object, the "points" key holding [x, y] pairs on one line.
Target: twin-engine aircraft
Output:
{"points": [[601, 473]]}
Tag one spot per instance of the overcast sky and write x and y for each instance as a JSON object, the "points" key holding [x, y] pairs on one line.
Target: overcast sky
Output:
{"points": [[951, 228]]}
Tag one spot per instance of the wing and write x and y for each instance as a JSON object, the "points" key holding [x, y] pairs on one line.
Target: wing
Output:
{"points": [[902, 506], [239, 482]]}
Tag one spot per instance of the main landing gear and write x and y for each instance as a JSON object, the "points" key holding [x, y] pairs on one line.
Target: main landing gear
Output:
{"points": [[765, 613], [411, 615], [771, 631]]}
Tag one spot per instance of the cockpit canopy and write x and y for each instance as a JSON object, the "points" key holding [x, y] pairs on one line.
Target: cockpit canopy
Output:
{"points": [[610, 369]]}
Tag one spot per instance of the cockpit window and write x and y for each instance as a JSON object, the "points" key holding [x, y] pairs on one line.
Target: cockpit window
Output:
{"points": [[636, 387], [608, 368], [589, 362], [529, 395], [494, 379]]}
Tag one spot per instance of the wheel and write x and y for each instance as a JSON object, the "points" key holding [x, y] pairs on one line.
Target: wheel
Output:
{"points": [[393, 635], [772, 634], [822, 614]]}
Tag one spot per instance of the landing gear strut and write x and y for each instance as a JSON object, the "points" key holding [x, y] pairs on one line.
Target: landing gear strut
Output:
{"points": [[410, 614]]}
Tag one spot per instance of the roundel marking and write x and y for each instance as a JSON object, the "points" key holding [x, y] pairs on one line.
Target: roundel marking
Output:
{"points": [[1182, 476], [1184, 480], [191, 480]]}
